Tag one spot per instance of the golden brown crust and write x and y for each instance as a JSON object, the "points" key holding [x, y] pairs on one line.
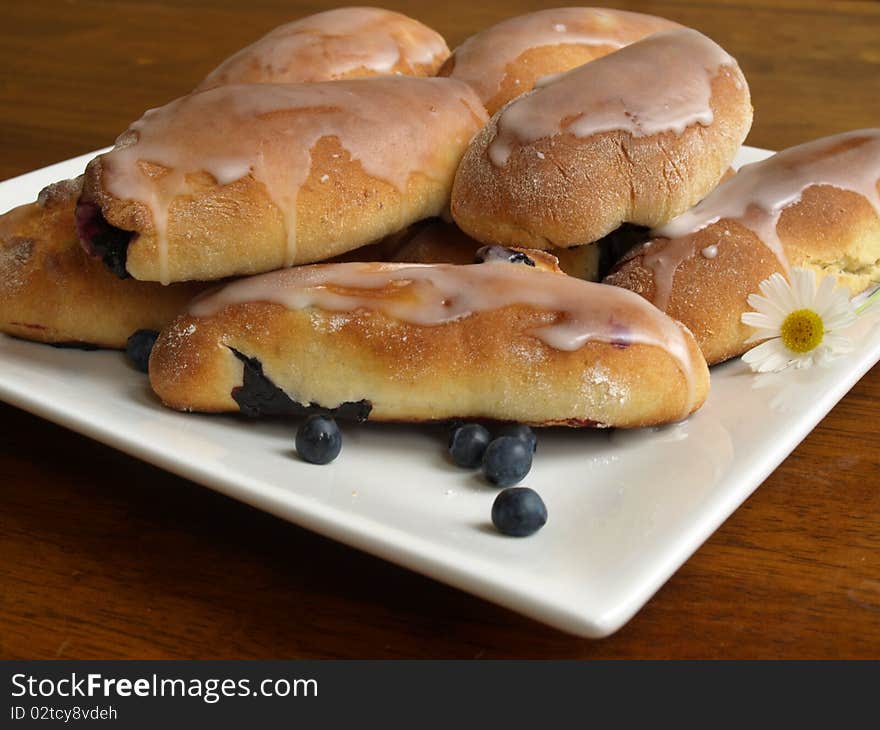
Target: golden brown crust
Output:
{"points": [[582, 262], [524, 71], [290, 53], [506, 60], [215, 231], [566, 191], [51, 291], [437, 241], [836, 232], [487, 365], [829, 230], [244, 232], [708, 295]]}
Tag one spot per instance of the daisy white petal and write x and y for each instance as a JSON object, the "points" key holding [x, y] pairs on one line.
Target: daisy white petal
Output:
{"points": [[768, 357], [840, 312], [763, 334], [823, 358], [836, 299], [803, 284], [825, 298], [839, 321], [777, 362], [761, 352], [776, 289], [771, 308], [826, 357], [838, 344], [757, 319]]}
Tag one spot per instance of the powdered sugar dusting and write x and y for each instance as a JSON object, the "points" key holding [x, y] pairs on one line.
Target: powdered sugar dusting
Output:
{"points": [[601, 387]]}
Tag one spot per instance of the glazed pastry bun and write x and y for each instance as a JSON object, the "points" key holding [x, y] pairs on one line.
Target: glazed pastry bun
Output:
{"points": [[403, 342], [637, 136], [337, 44], [51, 291], [508, 58], [815, 206], [249, 178], [439, 242], [435, 242]]}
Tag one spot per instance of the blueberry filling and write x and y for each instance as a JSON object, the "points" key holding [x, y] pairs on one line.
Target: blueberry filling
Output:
{"points": [[101, 239], [621, 335], [259, 396], [488, 254]]}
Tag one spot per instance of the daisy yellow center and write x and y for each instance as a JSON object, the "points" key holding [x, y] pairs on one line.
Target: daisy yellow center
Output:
{"points": [[802, 330]]}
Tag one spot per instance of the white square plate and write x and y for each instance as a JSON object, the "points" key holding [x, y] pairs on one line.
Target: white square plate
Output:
{"points": [[626, 509]]}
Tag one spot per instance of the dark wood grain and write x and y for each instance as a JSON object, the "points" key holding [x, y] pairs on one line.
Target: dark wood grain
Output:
{"points": [[103, 556]]}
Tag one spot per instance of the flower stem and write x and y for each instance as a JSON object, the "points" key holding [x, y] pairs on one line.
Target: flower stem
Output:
{"points": [[875, 296]]}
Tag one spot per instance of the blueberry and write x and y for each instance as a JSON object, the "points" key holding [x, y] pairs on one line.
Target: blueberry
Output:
{"points": [[518, 430], [506, 461], [318, 440], [501, 253], [139, 346], [467, 444], [519, 512]]}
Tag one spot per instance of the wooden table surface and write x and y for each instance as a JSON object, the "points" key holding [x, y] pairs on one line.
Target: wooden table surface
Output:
{"points": [[104, 556]]}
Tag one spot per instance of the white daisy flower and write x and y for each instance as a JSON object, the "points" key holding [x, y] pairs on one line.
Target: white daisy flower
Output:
{"points": [[801, 323]]}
